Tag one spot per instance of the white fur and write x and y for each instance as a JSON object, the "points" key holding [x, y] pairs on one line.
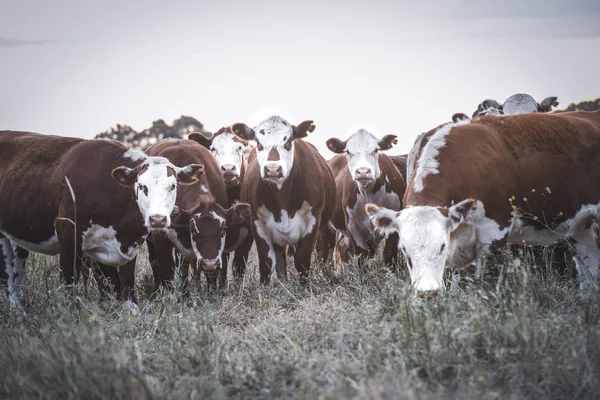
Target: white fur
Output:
{"points": [[287, 231], [428, 163], [362, 151], [162, 189], [135, 155], [277, 132], [227, 151], [101, 244], [15, 276]]}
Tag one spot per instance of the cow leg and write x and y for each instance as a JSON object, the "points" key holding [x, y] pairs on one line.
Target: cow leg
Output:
{"points": [[70, 253], [266, 259], [280, 262], [342, 252], [223, 272], [390, 251], [152, 257], [302, 257], [127, 279], [12, 273], [4, 265], [241, 257], [108, 280], [326, 243], [163, 267], [587, 242]]}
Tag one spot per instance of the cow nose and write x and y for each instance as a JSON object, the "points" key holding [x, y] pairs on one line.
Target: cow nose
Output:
{"points": [[363, 173], [228, 169], [428, 294], [158, 221], [209, 264], [273, 171]]}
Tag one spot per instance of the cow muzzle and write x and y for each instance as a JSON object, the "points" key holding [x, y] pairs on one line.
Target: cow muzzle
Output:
{"points": [[209, 265], [158, 221], [363, 175], [273, 172], [230, 174]]}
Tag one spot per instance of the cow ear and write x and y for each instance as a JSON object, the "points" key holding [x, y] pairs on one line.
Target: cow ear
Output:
{"points": [[466, 212], [238, 214], [460, 117], [200, 138], [180, 219], [190, 174], [387, 142], [384, 220], [303, 129], [336, 145], [243, 131], [125, 176]]}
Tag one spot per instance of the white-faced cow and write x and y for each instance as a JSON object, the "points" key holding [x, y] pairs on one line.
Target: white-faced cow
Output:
{"points": [[119, 196], [291, 190], [228, 149], [200, 227], [529, 178], [363, 174]]}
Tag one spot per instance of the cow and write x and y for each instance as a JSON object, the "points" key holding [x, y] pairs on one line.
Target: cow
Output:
{"points": [[363, 174], [291, 191], [200, 227], [516, 104], [76, 197], [530, 178], [228, 149]]}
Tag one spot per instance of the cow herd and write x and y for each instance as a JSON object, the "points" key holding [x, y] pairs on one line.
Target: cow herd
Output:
{"points": [[468, 187]]}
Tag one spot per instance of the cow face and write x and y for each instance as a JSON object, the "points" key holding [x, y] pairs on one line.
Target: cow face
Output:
{"points": [[432, 238], [208, 226], [362, 151], [155, 183], [274, 145], [228, 150]]}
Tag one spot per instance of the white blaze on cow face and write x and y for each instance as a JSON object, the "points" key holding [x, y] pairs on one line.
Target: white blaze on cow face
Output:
{"points": [[274, 146], [155, 183], [362, 152], [229, 153], [431, 241]]}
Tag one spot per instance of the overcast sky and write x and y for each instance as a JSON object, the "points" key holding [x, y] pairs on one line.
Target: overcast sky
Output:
{"points": [[79, 67]]}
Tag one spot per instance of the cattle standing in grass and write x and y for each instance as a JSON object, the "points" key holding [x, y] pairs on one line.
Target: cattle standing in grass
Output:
{"points": [[291, 190], [200, 226], [228, 150], [363, 175], [118, 196], [530, 178]]}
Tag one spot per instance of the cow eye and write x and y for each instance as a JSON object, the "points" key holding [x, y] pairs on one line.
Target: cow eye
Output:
{"points": [[240, 148], [442, 248], [259, 147], [144, 189], [172, 187], [288, 146]]}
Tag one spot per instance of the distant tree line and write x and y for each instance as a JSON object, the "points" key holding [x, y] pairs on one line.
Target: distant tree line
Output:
{"points": [[179, 129]]}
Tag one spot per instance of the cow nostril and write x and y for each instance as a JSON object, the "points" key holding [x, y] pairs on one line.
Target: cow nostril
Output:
{"points": [[428, 294], [228, 168], [158, 221]]}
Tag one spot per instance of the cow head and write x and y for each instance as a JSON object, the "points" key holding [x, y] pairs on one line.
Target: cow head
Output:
{"points": [[208, 226], [155, 183], [432, 238], [228, 150], [274, 145], [362, 151]]}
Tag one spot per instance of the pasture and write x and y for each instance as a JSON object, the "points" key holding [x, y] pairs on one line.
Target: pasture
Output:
{"points": [[527, 334]]}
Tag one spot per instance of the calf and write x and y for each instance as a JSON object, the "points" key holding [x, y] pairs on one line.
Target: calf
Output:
{"points": [[530, 178], [363, 175], [78, 197], [291, 191], [201, 225], [228, 150]]}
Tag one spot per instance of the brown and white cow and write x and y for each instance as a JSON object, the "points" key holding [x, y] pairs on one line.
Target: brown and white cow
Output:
{"points": [[291, 190], [477, 184], [228, 149], [201, 224], [363, 174], [400, 163], [120, 195]]}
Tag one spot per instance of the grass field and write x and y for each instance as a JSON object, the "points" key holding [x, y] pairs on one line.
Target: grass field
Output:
{"points": [[527, 335]]}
